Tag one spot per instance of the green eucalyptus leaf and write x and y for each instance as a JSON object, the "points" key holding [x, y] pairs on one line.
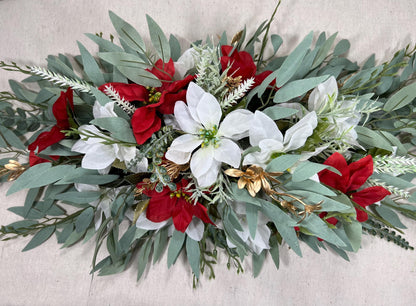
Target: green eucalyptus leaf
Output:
{"points": [[11, 138], [140, 76], [354, 233], [193, 253], [143, 255], [175, 47], [104, 44], [389, 215], [401, 98], [118, 127], [297, 88], [319, 228], [323, 51], [307, 169], [123, 59], [84, 220], [175, 246], [252, 216], [159, 40], [342, 47], [284, 224], [289, 66], [372, 139], [282, 163], [278, 112], [39, 238], [258, 260], [128, 34], [91, 68], [39, 175]]}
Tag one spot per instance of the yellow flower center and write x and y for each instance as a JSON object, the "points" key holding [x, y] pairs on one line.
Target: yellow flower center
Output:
{"points": [[154, 95]]}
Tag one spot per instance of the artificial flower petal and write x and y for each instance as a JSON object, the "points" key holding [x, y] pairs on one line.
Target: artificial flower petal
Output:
{"points": [[228, 152], [236, 124], [209, 111], [184, 119]]}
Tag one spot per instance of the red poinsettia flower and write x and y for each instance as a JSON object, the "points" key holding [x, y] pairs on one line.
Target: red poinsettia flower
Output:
{"points": [[352, 177], [145, 120], [242, 64], [176, 205], [46, 139]]}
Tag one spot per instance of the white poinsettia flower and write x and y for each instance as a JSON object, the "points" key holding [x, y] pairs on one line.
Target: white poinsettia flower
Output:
{"points": [[265, 134], [260, 241], [195, 229], [98, 154], [200, 120], [340, 114]]}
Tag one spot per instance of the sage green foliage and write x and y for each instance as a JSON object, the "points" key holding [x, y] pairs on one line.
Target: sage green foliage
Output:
{"points": [[386, 94]]}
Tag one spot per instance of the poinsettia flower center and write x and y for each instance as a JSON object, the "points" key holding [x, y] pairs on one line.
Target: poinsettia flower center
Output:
{"points": [[154, 95], [209, 136], [179, 194]]}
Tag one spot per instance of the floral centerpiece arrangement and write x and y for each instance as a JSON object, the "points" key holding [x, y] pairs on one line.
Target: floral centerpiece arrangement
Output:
{"points": [[226, 146]]}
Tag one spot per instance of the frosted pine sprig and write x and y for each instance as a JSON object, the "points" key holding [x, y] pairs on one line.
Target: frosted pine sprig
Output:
{"points": [[115, 96], [392, 189], [60, 79], [394, 164], [237, 93]]}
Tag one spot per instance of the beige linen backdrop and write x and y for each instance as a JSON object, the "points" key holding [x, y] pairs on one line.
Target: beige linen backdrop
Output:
{"points": [[380, 274]]}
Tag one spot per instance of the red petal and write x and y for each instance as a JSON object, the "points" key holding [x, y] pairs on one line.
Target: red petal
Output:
{"points": [[258, 79], [182, 215], [34, 159], [178, 85], [169, 101], [360, 171], [200, 211], [59, 108], [362, 216], [130, 92], [144, 123], [160, 208], [332, 179], [47, 139], [242, 63], [370, 195], [164, 71]]}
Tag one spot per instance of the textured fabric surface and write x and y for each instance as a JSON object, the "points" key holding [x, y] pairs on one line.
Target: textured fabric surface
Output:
{"points": [[380, 274]]}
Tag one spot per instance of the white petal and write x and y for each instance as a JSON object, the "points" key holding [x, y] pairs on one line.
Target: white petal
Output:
{"points": [[261, 240], [263, 127], [98, 156], [193, 96], [181, 148], [296, 136], [184, 119], [209, 178], [228, 152], [144, 223], [185, 62], [236, 124], [209, 111], [319, 96], [195, 229], [100, 111], [202, 160], [124, 153], [86, 187]]}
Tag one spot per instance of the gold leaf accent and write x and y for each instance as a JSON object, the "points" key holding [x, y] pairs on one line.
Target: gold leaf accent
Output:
{"points": [[236, 37], [140, 208], [174, 170]]}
